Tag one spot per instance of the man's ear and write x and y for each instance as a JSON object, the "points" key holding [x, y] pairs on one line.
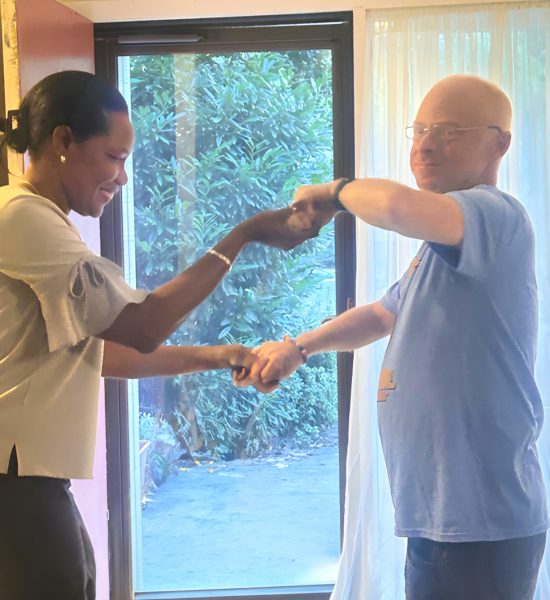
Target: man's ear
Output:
{"points": [[504, 140], [61, 140]]}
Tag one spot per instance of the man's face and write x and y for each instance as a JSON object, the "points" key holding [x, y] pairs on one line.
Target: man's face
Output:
{"points": [[467, 160]]}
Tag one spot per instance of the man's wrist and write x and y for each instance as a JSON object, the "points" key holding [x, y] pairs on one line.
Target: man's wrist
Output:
{"points": [[301, 349], [342, 182]]}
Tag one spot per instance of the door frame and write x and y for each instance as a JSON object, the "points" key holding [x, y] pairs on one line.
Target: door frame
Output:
{"points": [[334, 30]]}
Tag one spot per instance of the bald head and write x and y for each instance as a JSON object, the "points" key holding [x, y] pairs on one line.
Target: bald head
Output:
{"points": [[468, 99], [481, 114]]}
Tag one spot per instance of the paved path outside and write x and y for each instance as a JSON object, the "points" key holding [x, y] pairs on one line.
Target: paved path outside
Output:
{"points": [[262, 522]]}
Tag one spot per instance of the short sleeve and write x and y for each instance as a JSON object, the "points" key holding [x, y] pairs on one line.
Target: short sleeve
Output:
{"points": [[390, 300], [490, 221], [80, 293]]}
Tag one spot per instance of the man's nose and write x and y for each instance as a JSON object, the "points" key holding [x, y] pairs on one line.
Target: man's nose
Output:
{"points": [[426, 142]]}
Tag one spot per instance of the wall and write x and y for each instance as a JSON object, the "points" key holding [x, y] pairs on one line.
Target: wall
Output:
{"points": [[137, 10], [41, 37]]}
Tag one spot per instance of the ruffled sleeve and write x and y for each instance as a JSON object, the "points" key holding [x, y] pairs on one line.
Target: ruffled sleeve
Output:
{"points": [[80, 294], [88, 302]]}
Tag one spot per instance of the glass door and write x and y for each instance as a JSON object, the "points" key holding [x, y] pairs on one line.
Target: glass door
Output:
{"points": [[230, 489]]}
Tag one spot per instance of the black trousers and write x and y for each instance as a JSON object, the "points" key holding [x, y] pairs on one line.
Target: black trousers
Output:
{"points": [[503, 570], [45, 550]]}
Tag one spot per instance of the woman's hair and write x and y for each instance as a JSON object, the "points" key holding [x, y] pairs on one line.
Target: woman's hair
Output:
{"points": [[77, 99]]}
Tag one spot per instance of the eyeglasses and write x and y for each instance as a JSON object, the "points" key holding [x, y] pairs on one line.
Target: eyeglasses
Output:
{"points": [[441, 133]]}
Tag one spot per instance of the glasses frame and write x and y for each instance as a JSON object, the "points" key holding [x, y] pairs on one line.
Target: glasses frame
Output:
{"points": [[410, 133]]}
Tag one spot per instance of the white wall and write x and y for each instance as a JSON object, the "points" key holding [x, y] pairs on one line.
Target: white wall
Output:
{"points": [[105, 11]]}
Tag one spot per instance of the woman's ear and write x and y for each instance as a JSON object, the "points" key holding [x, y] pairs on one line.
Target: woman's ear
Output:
{"points": [[61, 140]]}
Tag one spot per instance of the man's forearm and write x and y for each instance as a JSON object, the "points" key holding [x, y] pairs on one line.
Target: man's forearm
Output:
{"points": [[422, 215], [352, 329]]}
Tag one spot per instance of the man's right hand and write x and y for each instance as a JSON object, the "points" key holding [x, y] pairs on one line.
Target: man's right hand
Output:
{"points": [[320, 198]]}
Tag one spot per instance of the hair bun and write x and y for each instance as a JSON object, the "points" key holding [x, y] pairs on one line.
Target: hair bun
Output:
{"points": [[15, 136]]}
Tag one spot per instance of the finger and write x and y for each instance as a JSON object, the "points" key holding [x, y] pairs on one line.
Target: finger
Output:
{"points": [[257, 368], [304, 192], [247, 362], [298, 205], [268, 387], [244, 382], [272, 370], [240, 373]]}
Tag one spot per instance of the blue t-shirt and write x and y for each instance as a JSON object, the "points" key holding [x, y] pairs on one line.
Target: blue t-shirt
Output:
{"points": [[459, 411]]}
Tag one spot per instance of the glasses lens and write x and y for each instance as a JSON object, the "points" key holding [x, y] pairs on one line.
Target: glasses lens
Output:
{"points": [[411, 132], [444, 133]]}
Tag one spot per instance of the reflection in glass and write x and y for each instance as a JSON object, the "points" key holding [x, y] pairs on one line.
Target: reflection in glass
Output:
{"points": [[232, 488]]}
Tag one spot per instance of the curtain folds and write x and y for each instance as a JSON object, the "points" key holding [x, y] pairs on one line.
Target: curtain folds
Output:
{"points": [[407, 51]]}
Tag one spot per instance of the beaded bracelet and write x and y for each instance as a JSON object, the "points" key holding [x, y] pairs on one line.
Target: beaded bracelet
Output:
{"points": [[301, 349]]}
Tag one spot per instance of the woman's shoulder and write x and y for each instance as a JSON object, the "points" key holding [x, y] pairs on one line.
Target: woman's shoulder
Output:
{"points": [[19, 204]]}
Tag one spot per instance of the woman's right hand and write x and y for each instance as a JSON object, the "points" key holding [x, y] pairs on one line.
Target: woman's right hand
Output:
{"points": [[287, 227]]}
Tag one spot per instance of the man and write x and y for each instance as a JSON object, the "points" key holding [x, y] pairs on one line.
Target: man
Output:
{"points": [[459, 411]]}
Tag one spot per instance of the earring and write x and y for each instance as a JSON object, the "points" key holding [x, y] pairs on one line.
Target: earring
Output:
{"points": [[62, 158]]}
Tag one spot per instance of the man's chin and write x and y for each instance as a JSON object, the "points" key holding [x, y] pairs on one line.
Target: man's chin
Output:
{"points": [[431, 186], [435, 185]]}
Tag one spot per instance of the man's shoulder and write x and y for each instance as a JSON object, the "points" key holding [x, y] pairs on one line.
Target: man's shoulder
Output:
{"points": [[493, 202]]}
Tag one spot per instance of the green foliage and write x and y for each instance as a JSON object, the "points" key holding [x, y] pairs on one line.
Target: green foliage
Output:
{"points": [[219, 138]]}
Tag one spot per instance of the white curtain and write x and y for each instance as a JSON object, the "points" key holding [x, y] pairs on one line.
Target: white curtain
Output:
{"points": [[407, 51]]}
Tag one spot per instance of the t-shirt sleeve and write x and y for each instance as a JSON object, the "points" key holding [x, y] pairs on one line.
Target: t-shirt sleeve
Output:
{"points": [[390, 300], [80, 293], [490, 221]]}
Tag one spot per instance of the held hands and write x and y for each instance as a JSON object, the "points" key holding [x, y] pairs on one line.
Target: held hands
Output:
{"points": [[319, 199], [236, 357], [284, 228], [313, 206], [273, 361]]}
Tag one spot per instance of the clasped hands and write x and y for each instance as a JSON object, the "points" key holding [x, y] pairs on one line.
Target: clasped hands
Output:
{"points": [[272, 361], [312, 207]]}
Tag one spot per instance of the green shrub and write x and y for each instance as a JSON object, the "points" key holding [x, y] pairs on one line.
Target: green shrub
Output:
{"points": [[221, 137]]}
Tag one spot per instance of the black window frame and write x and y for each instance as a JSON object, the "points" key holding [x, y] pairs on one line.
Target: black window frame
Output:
{"points": [[321, 30]]}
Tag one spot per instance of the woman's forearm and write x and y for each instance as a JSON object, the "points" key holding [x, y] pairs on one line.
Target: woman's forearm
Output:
{"points": [[166, 361], [146, 325]]}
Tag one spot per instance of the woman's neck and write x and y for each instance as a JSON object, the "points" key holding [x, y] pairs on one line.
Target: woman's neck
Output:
{"points": [[39, 179]]}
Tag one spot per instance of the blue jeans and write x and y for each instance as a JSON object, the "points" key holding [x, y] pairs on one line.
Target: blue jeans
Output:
{"points": [[502, 570]]}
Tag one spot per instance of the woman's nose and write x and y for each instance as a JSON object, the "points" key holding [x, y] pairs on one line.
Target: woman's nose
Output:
{"points": [[122, 177]]}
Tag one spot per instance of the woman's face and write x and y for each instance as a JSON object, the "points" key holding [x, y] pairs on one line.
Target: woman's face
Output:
{"points": [[94, 170]]}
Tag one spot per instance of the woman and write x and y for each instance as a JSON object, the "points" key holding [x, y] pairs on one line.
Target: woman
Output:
{"points": [[67, 316]]}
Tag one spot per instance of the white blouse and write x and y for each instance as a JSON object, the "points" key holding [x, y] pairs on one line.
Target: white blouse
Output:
{"points": [[55, 296]]}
